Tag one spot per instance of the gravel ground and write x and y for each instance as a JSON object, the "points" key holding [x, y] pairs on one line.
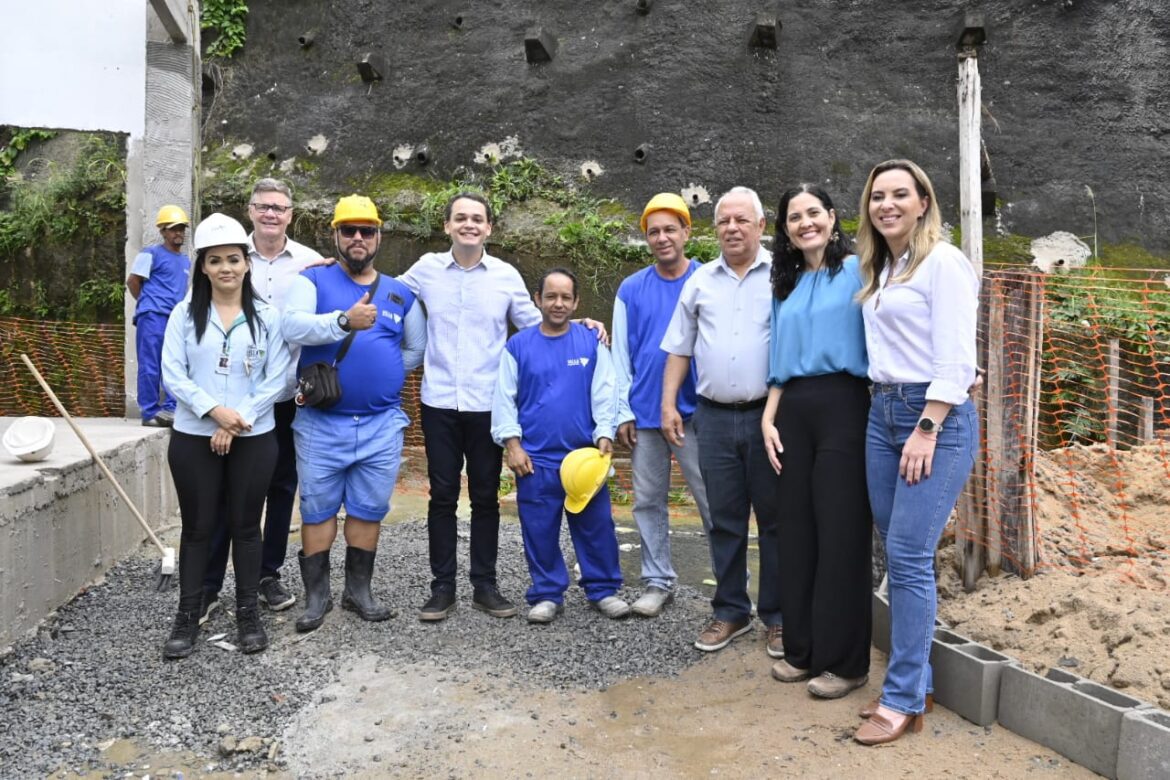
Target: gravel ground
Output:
{"points": [[93, 672]]}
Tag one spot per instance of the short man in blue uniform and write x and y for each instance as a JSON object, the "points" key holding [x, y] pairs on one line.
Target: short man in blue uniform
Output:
{"points": [[556, 393], [349, 453], [158, 281]]}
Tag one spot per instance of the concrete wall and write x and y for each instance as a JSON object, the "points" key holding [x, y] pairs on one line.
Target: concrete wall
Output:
{"points": [[62, 524]]}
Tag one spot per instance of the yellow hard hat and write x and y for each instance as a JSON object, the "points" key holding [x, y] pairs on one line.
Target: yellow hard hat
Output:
{"points": [[667, 201], [355, 208], [171, 215], [583, 472]]}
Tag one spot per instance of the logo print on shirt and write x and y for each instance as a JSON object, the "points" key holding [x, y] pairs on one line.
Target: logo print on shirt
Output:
{"points": [[581, 361], [396, 317]]}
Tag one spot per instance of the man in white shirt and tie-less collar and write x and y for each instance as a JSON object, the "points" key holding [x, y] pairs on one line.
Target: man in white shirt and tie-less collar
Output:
{"points": [[276, 261], [470, 298], [722, 322]]}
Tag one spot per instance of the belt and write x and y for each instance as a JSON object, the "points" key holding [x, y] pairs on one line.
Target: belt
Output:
{"points": [[735, 406]]}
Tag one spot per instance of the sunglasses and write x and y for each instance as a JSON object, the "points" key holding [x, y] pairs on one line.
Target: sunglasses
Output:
{"points": [[349, 231], [275, 208]]}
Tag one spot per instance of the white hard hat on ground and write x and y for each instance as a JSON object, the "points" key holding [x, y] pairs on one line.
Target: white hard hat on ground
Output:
{"points": [[30, 438]]}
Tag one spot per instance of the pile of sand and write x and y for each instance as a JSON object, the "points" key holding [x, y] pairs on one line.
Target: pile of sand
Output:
{"points": [[1100, 604]]}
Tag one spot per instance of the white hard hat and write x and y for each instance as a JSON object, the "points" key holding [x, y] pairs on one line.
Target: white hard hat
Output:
{"points": [[219, 230], [30, 438]]}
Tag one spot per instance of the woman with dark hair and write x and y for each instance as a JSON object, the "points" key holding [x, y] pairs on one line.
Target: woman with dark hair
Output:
{"points": [[814, 434], [225, 362], [919, 297]]}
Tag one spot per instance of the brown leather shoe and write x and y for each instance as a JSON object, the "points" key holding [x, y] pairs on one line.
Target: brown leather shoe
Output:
{"points": [[868, 710], [786, 672], [882, 728], [775, 643], [717, 634]]}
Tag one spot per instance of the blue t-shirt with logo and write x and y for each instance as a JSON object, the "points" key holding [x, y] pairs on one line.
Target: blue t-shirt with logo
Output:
{"points": [[166, 274]]}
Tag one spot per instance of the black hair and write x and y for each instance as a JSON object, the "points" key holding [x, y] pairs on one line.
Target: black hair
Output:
{"points": [[787, 260], [558, 270], [487, 207], [201, 295]]}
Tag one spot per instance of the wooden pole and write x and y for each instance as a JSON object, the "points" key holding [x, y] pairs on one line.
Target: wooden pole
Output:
{"points": [[1113, 393], [1146, 433], [970, 156]]}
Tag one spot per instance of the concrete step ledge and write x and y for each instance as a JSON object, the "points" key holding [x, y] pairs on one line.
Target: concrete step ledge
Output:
{"points": [[1144, 750], [1076, 717], [967, 676]]}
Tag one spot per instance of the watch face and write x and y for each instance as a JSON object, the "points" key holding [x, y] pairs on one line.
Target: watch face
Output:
{"points": [[926, 425]]}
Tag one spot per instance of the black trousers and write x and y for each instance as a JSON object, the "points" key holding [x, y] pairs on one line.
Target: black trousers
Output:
{"points": [[282, 491], [825, 524], [204, 483], [451, 437]]}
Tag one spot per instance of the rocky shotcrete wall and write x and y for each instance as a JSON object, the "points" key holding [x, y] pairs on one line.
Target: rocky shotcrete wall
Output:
{"points": [[1075, 96]]}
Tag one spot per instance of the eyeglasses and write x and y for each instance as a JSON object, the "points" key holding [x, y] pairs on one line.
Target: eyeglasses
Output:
{"points": [[349, 231], [275, 208]]}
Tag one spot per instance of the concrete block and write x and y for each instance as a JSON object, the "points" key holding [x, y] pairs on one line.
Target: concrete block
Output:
{"points": [[1144, 750], [1078, 718], [881, 622], [966, 676]]}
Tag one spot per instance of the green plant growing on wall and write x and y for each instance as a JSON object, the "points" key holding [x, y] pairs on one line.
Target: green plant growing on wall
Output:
{"points": [[228, 20], [18, 140]]}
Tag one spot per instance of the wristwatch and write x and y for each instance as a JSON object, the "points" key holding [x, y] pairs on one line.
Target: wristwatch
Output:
{"points": [[343, 322], [927, 425]]}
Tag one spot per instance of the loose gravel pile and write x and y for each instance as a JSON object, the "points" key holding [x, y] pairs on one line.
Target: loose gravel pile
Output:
{"points": [[94, 670]]}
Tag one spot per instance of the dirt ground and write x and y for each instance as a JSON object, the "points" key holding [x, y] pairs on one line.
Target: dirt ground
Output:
{"points": [[1100, 604]]}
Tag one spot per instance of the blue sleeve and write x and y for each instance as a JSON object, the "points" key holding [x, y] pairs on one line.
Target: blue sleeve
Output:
{"points": [[301, 324], [775, 359], [505, 415], [623, 368], [272, 385], [175, 365], [414, 337], [521, 310], [603, 396]]}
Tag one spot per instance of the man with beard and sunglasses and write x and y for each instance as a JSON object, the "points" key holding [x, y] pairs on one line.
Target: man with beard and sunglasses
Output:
{"points": [[349, 453]]}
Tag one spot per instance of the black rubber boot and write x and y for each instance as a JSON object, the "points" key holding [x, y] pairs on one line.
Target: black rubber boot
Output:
{"points": [[318, 601], [252, 637], [183, 634], [359, 568]]}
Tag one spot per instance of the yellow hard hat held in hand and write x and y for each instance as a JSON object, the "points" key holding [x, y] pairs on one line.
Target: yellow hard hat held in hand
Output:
{"points": [[583, 472]]}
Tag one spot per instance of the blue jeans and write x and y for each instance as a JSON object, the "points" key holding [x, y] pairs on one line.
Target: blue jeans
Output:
{"points": [[910, 519], [739, 479], [650, 459]]}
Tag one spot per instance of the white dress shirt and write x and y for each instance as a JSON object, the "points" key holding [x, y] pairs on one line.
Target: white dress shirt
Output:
{"points": [[923, 329], [271, 280], [468, 310], [724, 323]]}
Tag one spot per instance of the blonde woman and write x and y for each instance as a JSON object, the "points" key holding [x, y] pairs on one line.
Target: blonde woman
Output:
{"points": [[919, 299]]}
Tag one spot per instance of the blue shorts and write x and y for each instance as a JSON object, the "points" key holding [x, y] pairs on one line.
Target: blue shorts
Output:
{"points": [[347, 460]]}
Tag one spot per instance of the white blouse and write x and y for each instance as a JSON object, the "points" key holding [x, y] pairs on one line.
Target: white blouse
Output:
{"points": [[923, 329]]}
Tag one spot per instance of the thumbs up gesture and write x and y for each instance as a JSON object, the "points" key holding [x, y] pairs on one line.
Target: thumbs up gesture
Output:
{"points": [[362, 314]]}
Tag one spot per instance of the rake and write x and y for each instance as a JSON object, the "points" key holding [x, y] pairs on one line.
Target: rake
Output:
{"points": [[166, 568]]}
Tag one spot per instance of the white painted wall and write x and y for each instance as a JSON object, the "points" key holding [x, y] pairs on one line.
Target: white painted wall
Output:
{"points": [[73, 64]]}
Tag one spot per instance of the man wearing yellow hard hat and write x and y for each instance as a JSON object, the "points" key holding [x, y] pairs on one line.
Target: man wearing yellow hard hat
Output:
{"points": [[642, 310], [555, 398], [349, 448], [158, 281]]}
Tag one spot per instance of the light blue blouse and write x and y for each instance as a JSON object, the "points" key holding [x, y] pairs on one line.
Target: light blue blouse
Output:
{"points": [[819, 329], [227, 368]]}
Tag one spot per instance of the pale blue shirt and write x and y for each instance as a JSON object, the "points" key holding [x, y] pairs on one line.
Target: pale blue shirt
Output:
{"points": [[468, 310], [923, 330], [255, 370], [603, 399], [724, 323], [271, 280], [818, 328]]}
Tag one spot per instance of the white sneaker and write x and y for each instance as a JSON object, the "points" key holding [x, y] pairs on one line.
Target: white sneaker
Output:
{"points": [[545, 612], [612, 607], [652, 602]]}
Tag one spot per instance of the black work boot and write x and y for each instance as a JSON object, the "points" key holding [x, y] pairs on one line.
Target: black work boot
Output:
{"points": [[252, 637], [183, 634], [318, 601], [359, 568]]}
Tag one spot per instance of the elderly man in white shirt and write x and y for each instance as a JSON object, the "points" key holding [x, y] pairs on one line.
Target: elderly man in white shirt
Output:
{"points": [[276, 261], [722, 322]]}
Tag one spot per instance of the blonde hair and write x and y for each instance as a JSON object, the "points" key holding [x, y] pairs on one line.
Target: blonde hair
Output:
{"points": [[871, 244]]}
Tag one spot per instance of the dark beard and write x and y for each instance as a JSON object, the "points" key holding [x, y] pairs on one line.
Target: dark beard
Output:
{"points": [[356, 267]]}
